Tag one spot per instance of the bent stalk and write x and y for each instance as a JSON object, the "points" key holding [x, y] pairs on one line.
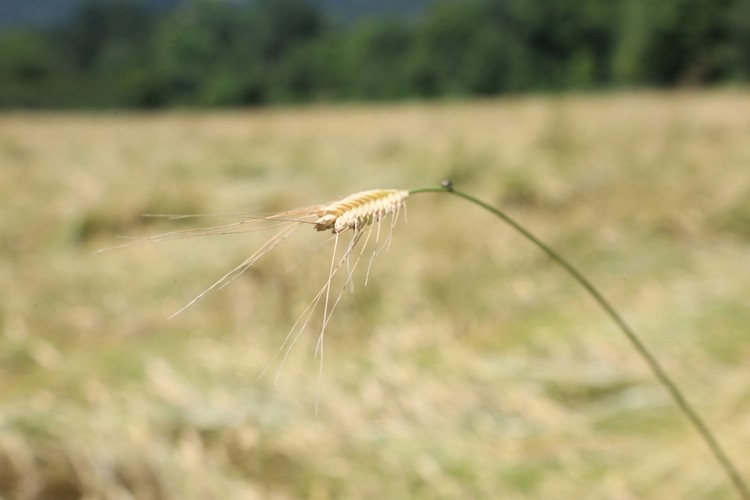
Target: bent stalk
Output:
{"points": [[682, 403]]}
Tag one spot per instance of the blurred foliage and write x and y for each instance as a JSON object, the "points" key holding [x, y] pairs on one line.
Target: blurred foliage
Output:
{"points": [[204, 53]]}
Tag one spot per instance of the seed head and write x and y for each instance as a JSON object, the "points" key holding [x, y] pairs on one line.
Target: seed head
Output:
{"points": [[359, 210]]}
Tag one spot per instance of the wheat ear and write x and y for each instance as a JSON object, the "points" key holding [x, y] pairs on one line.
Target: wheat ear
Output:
{"points": [[359, 210]]}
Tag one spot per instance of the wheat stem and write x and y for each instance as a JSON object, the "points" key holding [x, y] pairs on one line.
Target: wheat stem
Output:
{"points": [[680, 400]]}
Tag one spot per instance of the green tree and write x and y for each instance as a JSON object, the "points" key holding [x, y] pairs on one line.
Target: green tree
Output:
{"points": [[736, 52], [213, 54], [673, 42], [105, 51], [195, 48], [569, 42], [372, 59], [444, 39], [223, 53], [27, 70], [290, 43], [106, 33]]}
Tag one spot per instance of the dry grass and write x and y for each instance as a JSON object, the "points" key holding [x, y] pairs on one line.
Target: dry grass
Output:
{"points": [[468, 366]]}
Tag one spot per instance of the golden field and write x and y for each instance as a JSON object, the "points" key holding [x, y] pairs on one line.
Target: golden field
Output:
{"points": [[469, 366]]}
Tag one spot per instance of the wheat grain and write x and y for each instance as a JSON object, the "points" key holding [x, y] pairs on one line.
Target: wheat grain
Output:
{"points": [[359, 210]]}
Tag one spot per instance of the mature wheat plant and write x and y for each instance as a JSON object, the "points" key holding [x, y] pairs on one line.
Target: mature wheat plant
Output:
{"points": [[363, 213]]}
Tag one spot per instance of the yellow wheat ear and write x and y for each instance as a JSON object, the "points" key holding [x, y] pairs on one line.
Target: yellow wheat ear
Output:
{"points": [[359, 210]]}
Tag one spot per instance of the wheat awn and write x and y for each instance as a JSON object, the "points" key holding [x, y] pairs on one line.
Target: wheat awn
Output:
{"points": [[360, 212]]}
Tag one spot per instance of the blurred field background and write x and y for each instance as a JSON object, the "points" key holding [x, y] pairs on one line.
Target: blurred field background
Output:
{"points": [[468, 367]]}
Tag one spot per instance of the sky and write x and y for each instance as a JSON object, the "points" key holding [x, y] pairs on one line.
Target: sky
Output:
{"points": [[15, 13]]}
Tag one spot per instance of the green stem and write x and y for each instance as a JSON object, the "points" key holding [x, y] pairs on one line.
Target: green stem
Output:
{"points": [[682, 403]]}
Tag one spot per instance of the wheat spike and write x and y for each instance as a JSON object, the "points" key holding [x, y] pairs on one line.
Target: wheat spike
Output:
{"points": [[356, 211], [359, 210]]}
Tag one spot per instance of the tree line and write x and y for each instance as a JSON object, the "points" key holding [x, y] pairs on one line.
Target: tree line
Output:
{"points": [[207, 53]]}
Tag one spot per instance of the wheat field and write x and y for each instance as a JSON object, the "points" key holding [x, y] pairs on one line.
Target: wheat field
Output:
{"points": [[468, 366]]}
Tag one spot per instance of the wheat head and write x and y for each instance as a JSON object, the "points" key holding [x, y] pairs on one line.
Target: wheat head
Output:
{"points": [[359, 210]]}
